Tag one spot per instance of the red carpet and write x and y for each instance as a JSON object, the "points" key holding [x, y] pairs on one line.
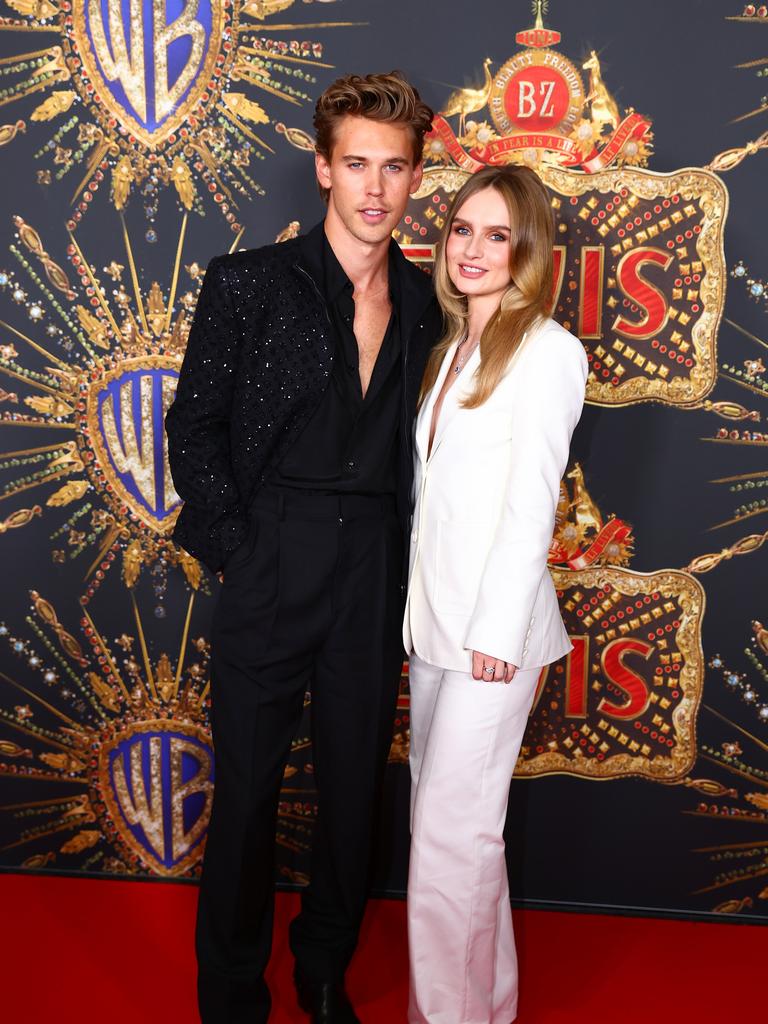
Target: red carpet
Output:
{"points": [[95, 952]]}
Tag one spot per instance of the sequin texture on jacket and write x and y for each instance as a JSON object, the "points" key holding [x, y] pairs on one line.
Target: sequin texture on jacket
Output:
{"points": [[258, 360]]}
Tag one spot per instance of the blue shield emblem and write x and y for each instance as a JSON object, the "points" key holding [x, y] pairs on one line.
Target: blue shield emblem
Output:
{"points": [[126, 412], [156, 780], [150, 61]]}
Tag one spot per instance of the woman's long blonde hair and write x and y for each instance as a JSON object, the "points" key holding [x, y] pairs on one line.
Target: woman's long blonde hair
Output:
{"points": [[529, 295]]}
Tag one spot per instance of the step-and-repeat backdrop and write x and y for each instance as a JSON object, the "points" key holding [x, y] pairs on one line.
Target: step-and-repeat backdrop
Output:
{"points": [[138, 140]]}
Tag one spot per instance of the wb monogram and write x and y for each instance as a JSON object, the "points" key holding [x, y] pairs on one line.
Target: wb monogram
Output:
{"points": [[126, 410], [148, 51], [159, 789], [150, 65]]}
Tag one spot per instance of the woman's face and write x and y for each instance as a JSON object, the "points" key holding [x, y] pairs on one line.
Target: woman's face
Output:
{"points": [[477, 248]]}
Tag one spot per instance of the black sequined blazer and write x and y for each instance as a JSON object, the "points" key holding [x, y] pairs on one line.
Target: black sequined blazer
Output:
{"points": [[257, 363]]}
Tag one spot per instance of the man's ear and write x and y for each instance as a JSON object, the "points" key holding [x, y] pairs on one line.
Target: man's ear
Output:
{"points": [[416, 176], [323, 170]]}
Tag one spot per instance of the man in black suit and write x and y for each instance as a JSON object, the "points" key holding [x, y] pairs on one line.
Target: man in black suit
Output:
{"points": [[290, 442]]}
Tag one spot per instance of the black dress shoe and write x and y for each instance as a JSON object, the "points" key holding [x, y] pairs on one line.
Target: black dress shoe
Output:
{"points": [[326, 1002]]}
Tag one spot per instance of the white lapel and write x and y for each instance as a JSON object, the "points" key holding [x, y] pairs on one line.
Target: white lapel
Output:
{"points": [[424, 418], [453, 399]]}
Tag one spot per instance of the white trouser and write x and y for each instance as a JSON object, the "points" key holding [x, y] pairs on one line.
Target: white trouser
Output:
{"points": [[465, 738]]}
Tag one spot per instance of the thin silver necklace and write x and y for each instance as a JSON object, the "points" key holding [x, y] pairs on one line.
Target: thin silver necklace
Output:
{"points": [[463, 358]]}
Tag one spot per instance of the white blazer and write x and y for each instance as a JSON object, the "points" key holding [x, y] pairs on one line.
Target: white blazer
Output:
{"points": [[484, 508]]}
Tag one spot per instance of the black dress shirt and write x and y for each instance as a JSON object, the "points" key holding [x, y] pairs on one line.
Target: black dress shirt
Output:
{"points": [[349, 446]]}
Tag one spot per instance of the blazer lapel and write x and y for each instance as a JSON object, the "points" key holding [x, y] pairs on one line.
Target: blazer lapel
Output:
{"points": [[424, 418], [452, 401]]}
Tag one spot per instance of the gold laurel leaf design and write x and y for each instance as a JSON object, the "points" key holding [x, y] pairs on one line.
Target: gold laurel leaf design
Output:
{"points": [[241, 106], [95, 329], [758, 799], [39, 860], [709, 786], [191, 568], [64, 762], [39, 9], [732, 906], [745, 546], [82, 841], [104, 692], [729, 410], [731, 158], [156, 310], [123, 177], [56, 104], [133, 558], [262, 9], [70, 645], [30, 237], [70, 492], [49, 405], [47, 613], [181, 176], [289, 771], [9, 749], [21, 517], [291, 231], [44, 609], [8, 132], [57, 277], [296, 136]]}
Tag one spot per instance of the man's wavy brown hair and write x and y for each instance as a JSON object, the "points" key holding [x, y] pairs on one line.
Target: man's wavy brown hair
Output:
{"points": [[388, 98]]}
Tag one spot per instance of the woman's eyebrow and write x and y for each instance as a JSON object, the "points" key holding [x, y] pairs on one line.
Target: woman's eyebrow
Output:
{"points": [[488, 227]]}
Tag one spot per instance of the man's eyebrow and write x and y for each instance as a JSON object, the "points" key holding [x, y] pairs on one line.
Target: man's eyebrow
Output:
{"points": [[388, 160]]}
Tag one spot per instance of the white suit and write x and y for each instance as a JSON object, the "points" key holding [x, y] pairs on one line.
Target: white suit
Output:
{"points": [[485, 501]]}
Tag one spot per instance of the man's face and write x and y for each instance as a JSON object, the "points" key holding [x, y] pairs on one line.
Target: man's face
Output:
{"points": [[370, 176]]}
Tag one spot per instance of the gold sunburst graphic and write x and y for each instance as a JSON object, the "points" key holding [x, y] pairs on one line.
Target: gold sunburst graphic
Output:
{"points": [[125, 113], [110, 395], [123, 738], [111, 704], [738, 795]]}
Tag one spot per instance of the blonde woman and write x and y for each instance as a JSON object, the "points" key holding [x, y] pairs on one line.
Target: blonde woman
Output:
{"points": [[501, 395]]}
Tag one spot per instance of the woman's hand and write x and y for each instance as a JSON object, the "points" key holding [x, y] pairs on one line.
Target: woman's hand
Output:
{"points": [[492, 670]]}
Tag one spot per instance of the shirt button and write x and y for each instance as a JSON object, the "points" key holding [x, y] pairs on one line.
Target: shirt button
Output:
{"points": [[415, 535]]}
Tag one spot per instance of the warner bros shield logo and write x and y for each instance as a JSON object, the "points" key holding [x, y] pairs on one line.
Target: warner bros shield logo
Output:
{"points": [[126, 412], [156, 780], [150, 61]]}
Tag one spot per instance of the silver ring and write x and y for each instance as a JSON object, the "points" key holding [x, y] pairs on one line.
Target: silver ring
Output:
{"points": [[489, 668]]}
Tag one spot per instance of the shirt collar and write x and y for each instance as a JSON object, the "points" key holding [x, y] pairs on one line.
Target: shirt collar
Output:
{"points": [[335, 280]]}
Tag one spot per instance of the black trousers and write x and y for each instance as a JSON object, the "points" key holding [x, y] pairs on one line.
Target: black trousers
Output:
{"points": [[311, 601]]}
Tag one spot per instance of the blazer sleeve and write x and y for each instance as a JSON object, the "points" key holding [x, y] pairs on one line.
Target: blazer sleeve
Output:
{"points": [[547, 408], [198, 425]]}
